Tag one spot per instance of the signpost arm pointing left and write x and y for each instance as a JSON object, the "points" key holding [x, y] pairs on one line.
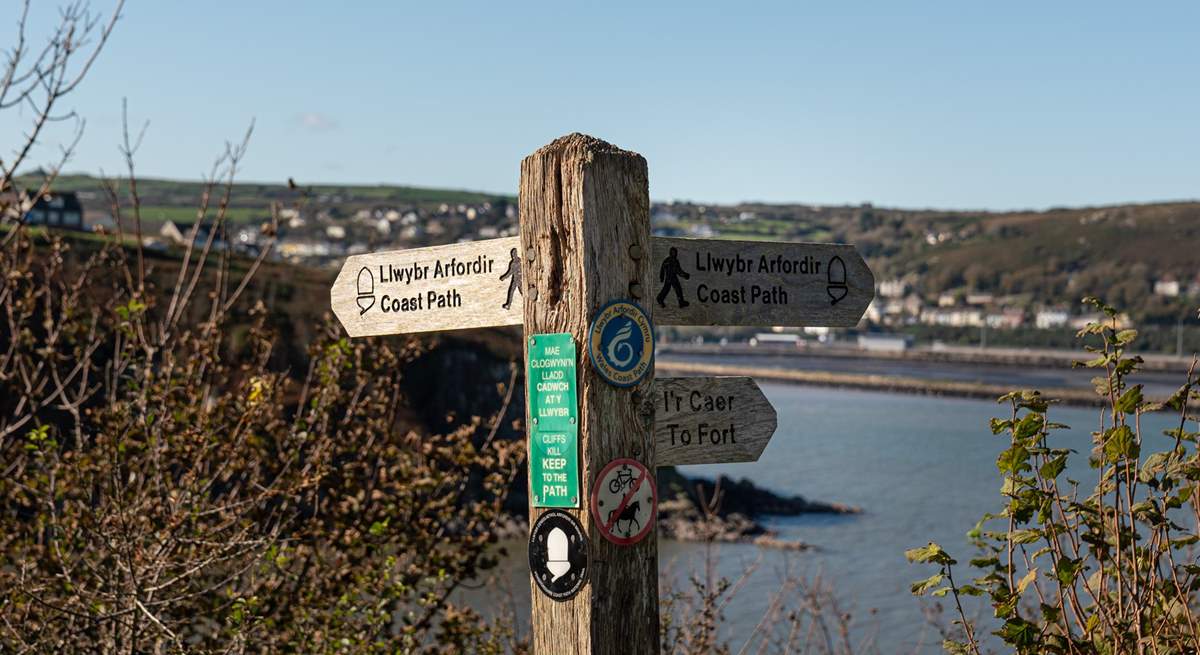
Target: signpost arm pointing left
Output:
{"points": [[585, 245], [584, 206]]}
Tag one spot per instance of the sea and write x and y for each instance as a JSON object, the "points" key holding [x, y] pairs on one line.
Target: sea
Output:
{"points": [[920, 468]]}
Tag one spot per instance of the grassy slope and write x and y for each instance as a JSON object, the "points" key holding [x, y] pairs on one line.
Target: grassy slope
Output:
{"points": [[1113, 252], [176, 199]]}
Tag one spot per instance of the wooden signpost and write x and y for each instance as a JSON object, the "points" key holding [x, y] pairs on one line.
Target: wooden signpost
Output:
{"points": [[588, 283], [724, 282], [462, 285], [710, 420]]}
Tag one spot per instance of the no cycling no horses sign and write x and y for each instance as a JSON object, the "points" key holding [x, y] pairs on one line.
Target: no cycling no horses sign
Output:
{"points": [[625, 501]]}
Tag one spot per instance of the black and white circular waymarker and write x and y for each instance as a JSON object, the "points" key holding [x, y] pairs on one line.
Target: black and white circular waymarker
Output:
{"points": [[558, 554]]}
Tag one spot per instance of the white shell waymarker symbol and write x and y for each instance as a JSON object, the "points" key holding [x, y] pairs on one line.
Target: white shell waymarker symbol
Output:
{"points": [[620, 344], [625, 501]]}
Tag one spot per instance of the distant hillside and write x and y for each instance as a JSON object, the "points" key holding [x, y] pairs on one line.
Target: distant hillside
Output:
{"points": [[1051, 257], [177, 199], [1030, 258]]}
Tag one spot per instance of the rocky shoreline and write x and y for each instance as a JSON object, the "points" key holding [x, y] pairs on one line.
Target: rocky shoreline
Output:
{"points": [[721, 511], [690, 509]]}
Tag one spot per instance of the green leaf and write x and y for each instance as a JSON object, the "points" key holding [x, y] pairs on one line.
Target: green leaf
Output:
{"points": [[932, 553], [921, 586], [1029, 425], [1053, 467], [955, 647], [1025, 536], [1013, 460], [1066, 569], [1130, 400], [1155, 463], [1120, 443], [1018, 632], [1050, 613], [1184, 541], [1100, 306], [1125, 337]]}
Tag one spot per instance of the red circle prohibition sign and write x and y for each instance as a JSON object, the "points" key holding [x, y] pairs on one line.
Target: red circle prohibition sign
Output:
{"points": [[630, 487]]}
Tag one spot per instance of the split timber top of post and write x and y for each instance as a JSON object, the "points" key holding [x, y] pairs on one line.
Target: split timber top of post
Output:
{"points": [[584, 143]]}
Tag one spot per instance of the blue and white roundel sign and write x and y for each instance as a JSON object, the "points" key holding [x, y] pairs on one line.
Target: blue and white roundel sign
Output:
{"points": [[621, 343]]}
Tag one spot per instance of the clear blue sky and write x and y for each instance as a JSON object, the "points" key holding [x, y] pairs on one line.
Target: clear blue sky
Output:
{"points": [[952, 104]]}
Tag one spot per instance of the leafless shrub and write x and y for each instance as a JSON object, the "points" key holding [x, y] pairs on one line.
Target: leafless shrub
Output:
{"points": [[37, 77], [804, 614], [165, 488]]}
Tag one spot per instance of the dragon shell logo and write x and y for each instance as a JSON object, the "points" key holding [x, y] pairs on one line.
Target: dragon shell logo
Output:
{"points": [[621, 343]]}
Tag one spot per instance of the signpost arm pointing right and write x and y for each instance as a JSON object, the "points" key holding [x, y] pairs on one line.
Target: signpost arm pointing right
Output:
{"points": [[585, 213]]}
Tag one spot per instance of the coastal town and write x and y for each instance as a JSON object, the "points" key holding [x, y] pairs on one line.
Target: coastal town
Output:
{"points": [[333, 223]]}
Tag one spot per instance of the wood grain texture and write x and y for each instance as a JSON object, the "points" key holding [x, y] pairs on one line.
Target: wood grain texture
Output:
{"points": [[725, 282], [583, 203], [452, 287], [711, 420]]}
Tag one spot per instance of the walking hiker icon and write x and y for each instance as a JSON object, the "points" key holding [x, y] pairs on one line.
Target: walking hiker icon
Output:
{"points": [[513, 275], [669, 274]]}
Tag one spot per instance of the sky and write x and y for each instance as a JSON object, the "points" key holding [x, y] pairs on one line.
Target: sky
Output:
{"points": [[954, 104]]}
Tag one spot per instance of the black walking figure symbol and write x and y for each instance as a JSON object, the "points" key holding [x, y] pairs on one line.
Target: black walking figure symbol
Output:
{"points": [[513, 275], [669, 275]]}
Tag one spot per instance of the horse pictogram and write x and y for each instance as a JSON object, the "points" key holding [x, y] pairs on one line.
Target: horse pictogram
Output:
{"points": [[624, 501]]}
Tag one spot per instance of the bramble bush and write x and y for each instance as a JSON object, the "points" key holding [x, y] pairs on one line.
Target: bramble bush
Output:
{"points": [[1102, 568], [171, 485], [166, 488]]}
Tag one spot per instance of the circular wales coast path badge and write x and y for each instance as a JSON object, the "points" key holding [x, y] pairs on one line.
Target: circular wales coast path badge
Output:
{"points": [[558, 554], [621, 343], [625, 501]]}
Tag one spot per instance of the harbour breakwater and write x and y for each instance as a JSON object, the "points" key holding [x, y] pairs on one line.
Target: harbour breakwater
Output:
{"points": [[901, 384]]}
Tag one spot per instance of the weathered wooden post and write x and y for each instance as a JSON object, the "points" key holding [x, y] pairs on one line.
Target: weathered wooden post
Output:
{"points": [[589, 273], [585, 236]]}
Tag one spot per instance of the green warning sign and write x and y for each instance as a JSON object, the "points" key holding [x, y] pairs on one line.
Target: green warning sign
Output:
{"points": [[553, 421]]}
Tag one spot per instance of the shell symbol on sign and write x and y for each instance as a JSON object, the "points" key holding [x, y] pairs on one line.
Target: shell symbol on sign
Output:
{"points": [[620, 344]]}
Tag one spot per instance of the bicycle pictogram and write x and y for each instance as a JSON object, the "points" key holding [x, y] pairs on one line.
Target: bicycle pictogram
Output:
{"points": [[624, 480]]}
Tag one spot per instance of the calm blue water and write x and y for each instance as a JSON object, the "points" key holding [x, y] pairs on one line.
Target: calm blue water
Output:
{"points": [[921, 468]]}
